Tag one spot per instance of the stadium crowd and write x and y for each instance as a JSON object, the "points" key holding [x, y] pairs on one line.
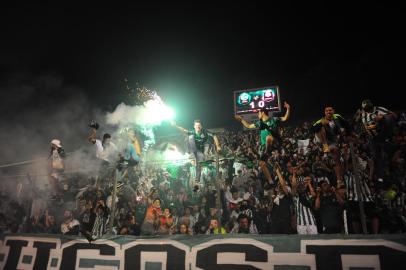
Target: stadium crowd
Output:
{"points": [[304, 182]]}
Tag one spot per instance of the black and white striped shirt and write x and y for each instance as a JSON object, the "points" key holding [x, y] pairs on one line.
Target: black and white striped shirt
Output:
{"points": [[351, 186], [368, 119], [304, 215]]}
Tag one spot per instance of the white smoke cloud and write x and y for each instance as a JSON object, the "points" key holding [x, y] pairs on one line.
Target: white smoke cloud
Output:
{"points": [[152, 113], [37, 109], [142, 117]]}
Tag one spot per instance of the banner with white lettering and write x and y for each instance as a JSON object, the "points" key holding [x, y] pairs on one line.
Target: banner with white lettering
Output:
{"points": [[229, 252]]}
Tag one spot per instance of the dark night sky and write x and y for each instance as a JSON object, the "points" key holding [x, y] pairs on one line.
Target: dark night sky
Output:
{"points": [[197, 55]]}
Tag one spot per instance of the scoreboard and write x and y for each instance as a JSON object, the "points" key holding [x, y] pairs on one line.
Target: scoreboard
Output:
{"points": [[252, 100]]}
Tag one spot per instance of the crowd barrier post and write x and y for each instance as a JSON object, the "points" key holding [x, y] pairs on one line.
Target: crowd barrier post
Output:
{"points": [[356, 172], [113, 204]]}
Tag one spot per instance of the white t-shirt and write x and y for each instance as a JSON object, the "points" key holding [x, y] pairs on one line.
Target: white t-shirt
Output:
{"points": [[66, 227], [57, 162], [237, 166], [105, 153]]}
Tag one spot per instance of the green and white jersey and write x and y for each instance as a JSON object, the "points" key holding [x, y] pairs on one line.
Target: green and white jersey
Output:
{"points": [[201, 139], [268, 127]]}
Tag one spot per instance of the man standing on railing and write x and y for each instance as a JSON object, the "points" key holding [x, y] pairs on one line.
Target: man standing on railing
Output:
{"points": [[268, 126], [378, 123], [269, 136], [329, 130], [56, 157], [199, 142]]}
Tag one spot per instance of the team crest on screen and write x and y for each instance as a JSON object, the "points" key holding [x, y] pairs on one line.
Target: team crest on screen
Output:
{"points": [[245, 98], [269, 95]]}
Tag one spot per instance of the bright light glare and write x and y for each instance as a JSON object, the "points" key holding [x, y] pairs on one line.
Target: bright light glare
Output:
{"points": [[169, 113], [175, 157], [156, 112]]}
